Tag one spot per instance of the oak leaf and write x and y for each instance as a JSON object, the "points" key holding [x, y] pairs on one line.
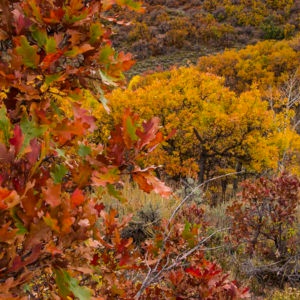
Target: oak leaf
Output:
{"points": [[52, 193], [28, 53]]}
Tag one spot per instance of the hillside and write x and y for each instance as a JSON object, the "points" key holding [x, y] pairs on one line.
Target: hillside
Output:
{"points": [[173, 30]]}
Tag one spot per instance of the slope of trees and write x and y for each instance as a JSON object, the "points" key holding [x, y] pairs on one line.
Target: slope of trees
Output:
{"points": [[170, 25]]}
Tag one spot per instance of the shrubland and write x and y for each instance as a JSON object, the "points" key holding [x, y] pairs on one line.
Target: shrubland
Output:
{"points": [[169, 26]]}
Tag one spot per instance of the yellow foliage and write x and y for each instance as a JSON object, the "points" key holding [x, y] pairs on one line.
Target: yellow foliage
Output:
{"points": [[266, 63], [216, 127]]}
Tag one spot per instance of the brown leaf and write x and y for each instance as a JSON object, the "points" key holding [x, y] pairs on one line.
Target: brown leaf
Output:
{"points": [[18, 263], [7, 234]]}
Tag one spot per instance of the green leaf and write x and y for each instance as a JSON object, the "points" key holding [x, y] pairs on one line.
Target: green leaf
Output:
{"points": [[96, 31], [106, 79], [30, 131], [69, 18], [102, 98], [130, 129], [84, 150], [73, 52], [79, 291], [104, 102], [51, 78], [186, 234], [29, 53], [115, 193], [50, 46], [62, 282], [105, 53], [18, 223], [134, 5], [4, 126], [39, 35], [36, 11], [67, 285], [60, 153], [58, 173]]}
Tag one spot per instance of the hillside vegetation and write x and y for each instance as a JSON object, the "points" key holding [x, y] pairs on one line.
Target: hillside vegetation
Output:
{"points": [[169, 25]]}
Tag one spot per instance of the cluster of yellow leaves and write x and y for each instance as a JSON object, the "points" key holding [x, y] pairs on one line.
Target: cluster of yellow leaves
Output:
{"points": [[215, 126], [267, 64]]}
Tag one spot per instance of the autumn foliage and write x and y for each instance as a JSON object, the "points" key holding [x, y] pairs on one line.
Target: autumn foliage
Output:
{"points": [[218, 130], [265, 217], [195, 25], [264, 227], [55, 234]]}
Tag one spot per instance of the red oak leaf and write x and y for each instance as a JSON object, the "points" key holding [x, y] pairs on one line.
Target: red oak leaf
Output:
{"points": [[18, 263], [17, 140], [77, 198], [149, 133]]}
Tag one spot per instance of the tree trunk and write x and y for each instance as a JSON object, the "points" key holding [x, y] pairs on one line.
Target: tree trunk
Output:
{"points": [[238, 168]]}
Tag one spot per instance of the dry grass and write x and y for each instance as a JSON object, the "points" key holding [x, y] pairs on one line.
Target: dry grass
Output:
{"points": [[138, 200], [286, 294]]}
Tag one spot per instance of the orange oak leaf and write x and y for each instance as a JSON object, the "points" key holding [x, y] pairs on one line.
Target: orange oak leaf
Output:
{"points": [[148, 182], [52, 193], [55, 16], [29, 203], [51, 222], [51, 58], [106, 176], [53, 249], [66, 130], [126, 60], [8, 199]]}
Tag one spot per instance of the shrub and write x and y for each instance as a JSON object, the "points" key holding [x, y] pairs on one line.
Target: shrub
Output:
{"points": [[264, 223]]}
